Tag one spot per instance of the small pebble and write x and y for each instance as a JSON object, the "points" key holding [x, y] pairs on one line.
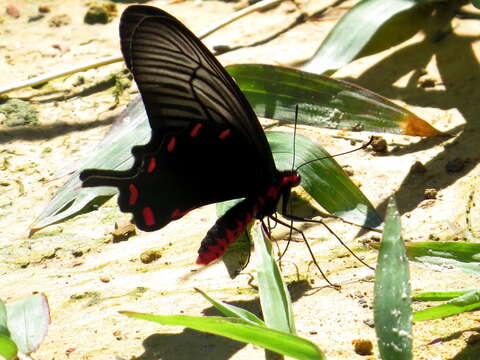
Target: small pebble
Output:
{"points": [[369, 323], [59, 20], [418, 168], [12, 11], [123, 232], [430, 193], [43, 9], [363, 346], [150, 256], [379, 144]]}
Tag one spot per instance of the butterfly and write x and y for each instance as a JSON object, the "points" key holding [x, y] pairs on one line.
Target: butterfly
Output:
{"points": [[207, 144]]}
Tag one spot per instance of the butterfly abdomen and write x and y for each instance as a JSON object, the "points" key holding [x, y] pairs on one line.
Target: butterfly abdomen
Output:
{"points": [[233, 223]]}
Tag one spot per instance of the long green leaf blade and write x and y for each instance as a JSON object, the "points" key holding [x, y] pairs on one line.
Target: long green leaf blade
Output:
{"points": [[240, 330], [467, 302], [322, 101], [462, 255], [232, 311], [358, 26], [392, 303], [274, 296]]}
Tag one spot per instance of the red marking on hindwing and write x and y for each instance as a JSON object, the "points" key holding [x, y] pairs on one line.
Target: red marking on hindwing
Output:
{"points": [[148, 216], [171, 144], [151, 165], [273, 192], [224, 134], [133, 194], [195, 130]]}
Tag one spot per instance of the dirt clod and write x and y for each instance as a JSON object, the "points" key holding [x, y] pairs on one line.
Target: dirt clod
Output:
{"points": [[362, 346]]}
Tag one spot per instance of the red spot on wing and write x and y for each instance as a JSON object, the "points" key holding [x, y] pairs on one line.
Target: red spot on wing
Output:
{"points": [[171, 144], [195, 130], [133, 194], [273, 192], [151, 165], [148, 216], [224, 134]]}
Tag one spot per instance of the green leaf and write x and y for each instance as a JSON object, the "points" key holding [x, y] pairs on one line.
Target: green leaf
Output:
{"points": [[461, 255], [28, 321], [393, 21], [324, 179], [8, 348], [232, 311], [113, 152], [274, 296], [440, 295], [476, 3], [241, 330], [467, 302], [392, 302], [322, 101]]}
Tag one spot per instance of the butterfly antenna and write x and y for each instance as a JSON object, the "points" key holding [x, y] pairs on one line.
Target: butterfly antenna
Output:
{"points": [[332, 156], [294, 136]]}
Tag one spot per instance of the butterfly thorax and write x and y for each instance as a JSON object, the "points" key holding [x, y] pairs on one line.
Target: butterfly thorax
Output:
{"points": [[233, 223]]}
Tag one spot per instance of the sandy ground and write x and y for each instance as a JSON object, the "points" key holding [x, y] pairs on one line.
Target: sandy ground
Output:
{"points": [[87, 278]]}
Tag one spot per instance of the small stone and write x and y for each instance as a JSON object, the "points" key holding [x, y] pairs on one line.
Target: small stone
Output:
{"points": [[12, 11], [379, 144], [150, 256], [418, 168], [427, 83], [59, 20], [43, 9], [123, 232], [104, 279], [369, 323], [430, 193], [100, 13], [348, 170], [363, 346], [77, 253]]}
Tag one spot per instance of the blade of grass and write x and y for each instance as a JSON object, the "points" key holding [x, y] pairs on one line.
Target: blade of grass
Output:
{"points": [[274, 296], [357, 28], [467, 302], [461, 255], [392, 303], [241, 330], [232, 311], [322, 101]]}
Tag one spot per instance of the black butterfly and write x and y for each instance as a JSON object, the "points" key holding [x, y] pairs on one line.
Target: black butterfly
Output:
{"points": [[206, 146]]}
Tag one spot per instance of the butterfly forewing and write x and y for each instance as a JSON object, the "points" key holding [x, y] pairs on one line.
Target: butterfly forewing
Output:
{"points": [[206, 145]]}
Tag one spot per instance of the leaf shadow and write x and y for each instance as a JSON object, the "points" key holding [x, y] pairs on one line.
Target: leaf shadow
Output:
{"points": [[459, 71]]}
